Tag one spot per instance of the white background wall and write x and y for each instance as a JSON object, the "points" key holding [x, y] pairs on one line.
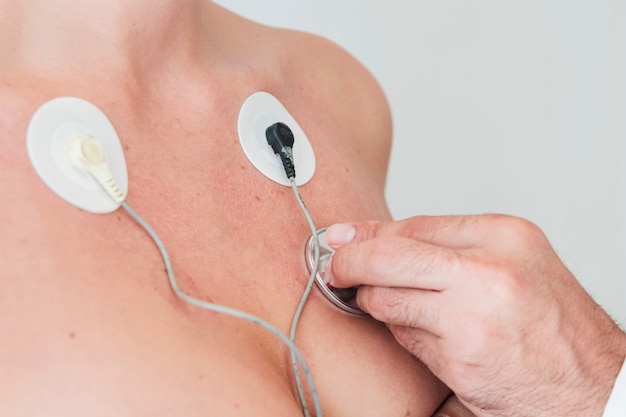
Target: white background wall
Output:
{"points": [[516, 107]]}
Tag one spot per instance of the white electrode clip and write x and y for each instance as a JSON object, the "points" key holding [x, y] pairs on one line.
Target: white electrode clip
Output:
{"points": [[77, 153], [87, 155]]}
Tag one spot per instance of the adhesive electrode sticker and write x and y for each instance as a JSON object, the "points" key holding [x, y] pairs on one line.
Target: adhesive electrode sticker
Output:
{"points": [[258, 112], [50, 132]]}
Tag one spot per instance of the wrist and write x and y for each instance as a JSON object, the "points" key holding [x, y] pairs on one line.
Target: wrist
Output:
{"points": [[603, 372], [595, 356], [616, 404]]}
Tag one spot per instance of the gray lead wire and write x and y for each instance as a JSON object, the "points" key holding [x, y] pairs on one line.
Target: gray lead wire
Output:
{"points": [[303, 300], [295, 352]]}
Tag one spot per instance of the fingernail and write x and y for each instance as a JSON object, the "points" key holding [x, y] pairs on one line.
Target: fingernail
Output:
{"points": [[340, 234]]}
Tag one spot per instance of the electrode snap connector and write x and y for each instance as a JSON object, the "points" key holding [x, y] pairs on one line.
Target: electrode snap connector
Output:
{"points": [[281, 139], [87, 155]]}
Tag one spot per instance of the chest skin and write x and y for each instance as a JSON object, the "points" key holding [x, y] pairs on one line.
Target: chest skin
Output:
{"points": [[88, 322]]}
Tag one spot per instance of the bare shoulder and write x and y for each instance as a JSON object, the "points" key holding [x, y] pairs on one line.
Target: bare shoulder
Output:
{"points": [[333, 71], [353, 97], [317, 73]]}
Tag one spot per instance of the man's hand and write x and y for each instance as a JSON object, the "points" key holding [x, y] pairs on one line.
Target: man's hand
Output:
{"points": [[487, 305]]}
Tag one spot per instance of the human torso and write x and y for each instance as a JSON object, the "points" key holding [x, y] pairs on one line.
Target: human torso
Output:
{"points": [[88, 322]]}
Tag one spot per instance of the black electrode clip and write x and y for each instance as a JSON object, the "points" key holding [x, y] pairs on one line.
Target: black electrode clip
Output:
{"points": [[281, 139]]}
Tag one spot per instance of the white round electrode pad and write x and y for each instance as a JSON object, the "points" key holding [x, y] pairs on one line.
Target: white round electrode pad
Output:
{"points": [[49, 133], [258, 112]]}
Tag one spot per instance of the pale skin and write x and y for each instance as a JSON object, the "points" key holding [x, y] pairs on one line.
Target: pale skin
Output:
{"points": [[88, 323], [486, 304]]}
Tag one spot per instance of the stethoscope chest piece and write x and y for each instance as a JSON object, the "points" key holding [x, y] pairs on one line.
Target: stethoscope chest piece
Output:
{"points": [[344, 298]]}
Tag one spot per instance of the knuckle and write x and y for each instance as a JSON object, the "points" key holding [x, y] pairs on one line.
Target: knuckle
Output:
{"points": [[477, 346], [502, 283], [410, 340], [415, 226], [517, 229], [369, 230], [429, 228], [381, 303], [448, 258], [391, 306]]}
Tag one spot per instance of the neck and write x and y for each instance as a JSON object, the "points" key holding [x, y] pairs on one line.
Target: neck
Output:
{"points": [[113, 37]]}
